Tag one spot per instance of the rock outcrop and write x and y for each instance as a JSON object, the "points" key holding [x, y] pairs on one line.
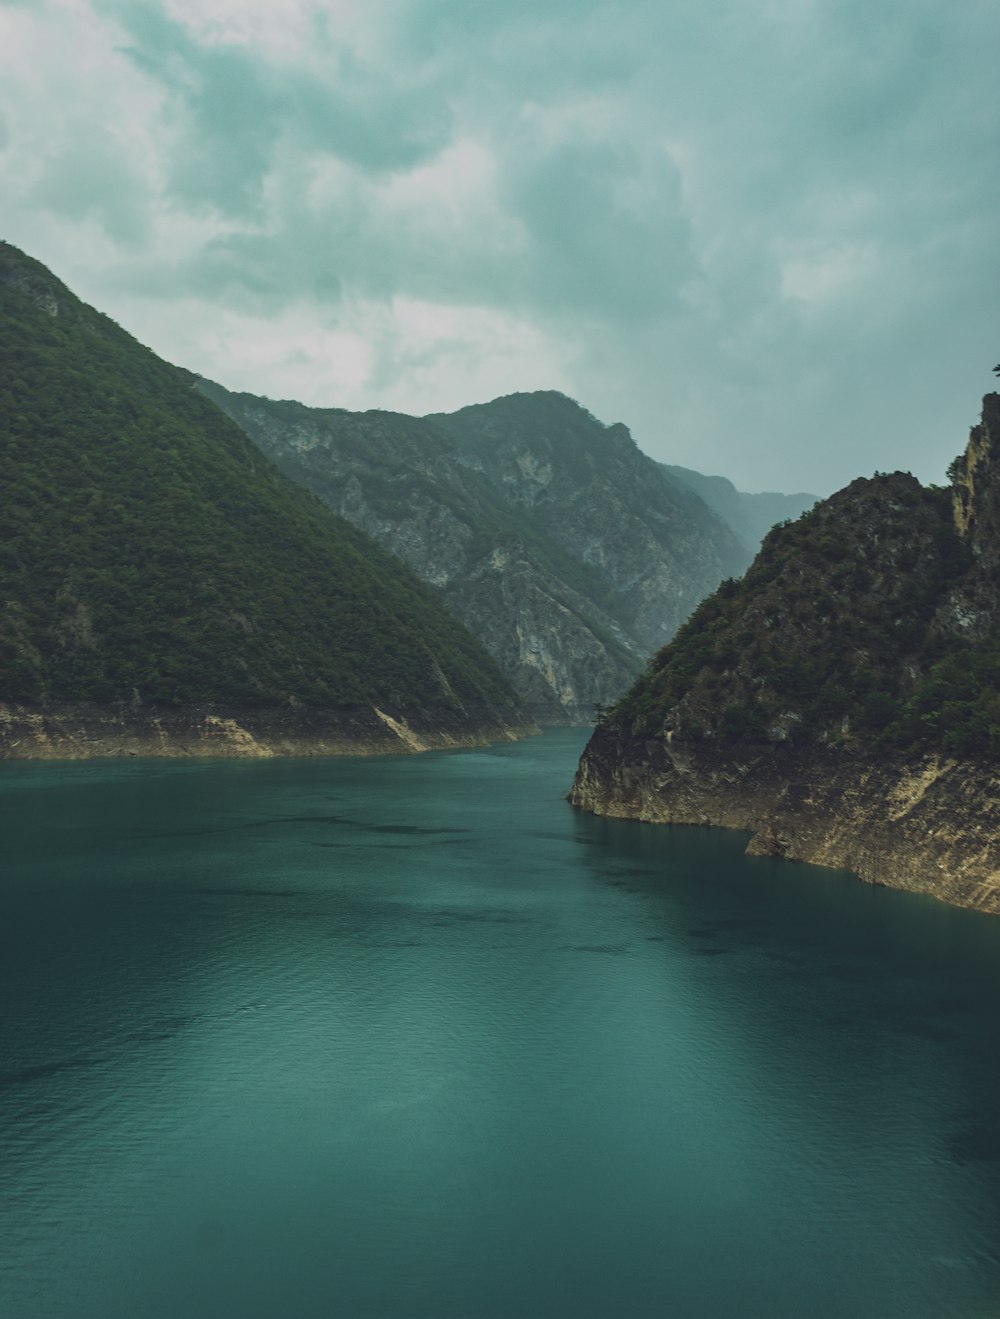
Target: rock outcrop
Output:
{"points": [[842, 703], [927, 824], [86, 730]]}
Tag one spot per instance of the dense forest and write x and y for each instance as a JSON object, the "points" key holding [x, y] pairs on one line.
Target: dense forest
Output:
{"points": [[869, 621], [149, 551]]}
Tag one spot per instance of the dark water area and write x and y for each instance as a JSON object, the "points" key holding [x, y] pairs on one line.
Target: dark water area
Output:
{"points": [[405, 1038]]}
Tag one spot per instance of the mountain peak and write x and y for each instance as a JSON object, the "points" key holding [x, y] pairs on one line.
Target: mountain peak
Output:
{"points": [[28, 276]]}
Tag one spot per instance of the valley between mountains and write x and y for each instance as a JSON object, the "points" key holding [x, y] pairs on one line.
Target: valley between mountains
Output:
{"points": [[190, 571]]}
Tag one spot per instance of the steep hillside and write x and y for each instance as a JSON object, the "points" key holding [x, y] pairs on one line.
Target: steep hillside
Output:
{"points": [[565, 550], [842, 702], [150, 554], [655, 549]]}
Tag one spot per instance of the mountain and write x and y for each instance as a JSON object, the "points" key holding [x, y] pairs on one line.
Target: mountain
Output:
{"points": [[567, 551], [841, 702], [162, 584], [751, 516]]}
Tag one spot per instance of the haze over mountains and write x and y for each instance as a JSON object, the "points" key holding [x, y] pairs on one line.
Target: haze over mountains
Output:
{"points": [[751, 516]]}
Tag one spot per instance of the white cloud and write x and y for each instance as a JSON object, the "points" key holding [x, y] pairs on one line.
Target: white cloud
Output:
{"points": [[762, 236]]}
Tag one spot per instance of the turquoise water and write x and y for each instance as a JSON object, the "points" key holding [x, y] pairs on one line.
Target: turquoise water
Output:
{"points": [[409, 1037]]}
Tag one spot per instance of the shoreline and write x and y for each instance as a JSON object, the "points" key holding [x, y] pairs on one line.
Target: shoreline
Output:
{"points": [[88, 731], [927, 824]]}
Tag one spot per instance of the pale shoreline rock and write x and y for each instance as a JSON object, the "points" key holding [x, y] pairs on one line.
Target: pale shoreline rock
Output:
{"points": [[85, 731], [726, 729], [927, 824]]}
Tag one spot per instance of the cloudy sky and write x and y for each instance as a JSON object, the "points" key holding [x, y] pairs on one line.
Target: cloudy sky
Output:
{"points": [[765, 234]]}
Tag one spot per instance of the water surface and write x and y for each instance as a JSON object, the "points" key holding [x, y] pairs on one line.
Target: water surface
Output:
{"points": [[408, 1037]]}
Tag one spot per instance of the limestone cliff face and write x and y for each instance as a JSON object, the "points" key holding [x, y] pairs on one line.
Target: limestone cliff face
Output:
{"points": [[928, 824], [560, 546], [650, 547], [972, 608], [842, 703]]}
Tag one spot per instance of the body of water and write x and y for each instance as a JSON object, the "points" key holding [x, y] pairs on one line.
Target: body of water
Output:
{"points": [[408, 1038]]}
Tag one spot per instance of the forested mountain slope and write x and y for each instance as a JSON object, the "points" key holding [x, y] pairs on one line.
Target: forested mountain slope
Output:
{"points": [[151, 555], [843, 700]]}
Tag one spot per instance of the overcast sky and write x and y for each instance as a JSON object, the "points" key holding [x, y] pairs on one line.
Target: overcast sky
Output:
{"points": [[765, 234]]}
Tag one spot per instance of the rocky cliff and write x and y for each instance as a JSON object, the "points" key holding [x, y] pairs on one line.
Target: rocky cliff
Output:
{"points": [[565, 550], [842, 702]]}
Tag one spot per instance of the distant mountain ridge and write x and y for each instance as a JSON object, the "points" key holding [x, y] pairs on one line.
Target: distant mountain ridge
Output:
{"points": [[152, 563], [567, 551], [751, 516]]}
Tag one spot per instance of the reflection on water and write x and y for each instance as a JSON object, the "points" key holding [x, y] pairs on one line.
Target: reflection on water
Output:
{"points": [[409, 1037]]}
